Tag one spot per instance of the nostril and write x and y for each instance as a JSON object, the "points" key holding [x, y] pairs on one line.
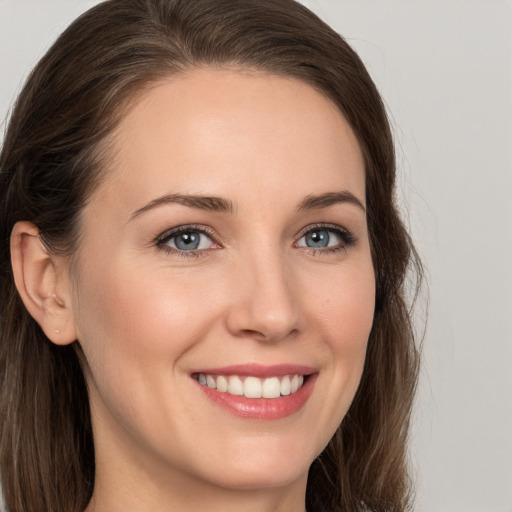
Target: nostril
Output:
{"points": [[269, 335]]}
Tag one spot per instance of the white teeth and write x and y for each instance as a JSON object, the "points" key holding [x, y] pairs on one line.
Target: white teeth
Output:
{"points": [[294, 385], [235, 386], [210, 382], [271, 388], [285, 386], [253, 387], [222, 383]]}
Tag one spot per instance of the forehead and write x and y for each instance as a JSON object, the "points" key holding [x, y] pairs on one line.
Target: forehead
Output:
{"points": [[214, 131]]}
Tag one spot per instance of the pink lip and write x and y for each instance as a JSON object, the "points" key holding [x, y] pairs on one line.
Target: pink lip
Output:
{"points": [[259, 370], [261, 408]]}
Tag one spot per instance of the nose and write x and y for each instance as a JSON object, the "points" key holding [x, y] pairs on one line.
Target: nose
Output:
{"points": [[264, 303]]}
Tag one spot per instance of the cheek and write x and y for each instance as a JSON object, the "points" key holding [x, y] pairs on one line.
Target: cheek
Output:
{"points": [[346, 319], [128, 312], [135, 324], [346, 308], [341, 316]]}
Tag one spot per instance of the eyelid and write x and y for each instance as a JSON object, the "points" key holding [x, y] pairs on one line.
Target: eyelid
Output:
{"points": [[348, 238], [326, 227], [162, 239], [184, 228]]}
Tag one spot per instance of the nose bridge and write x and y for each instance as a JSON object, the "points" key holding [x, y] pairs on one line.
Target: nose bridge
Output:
{"points": [[266, 304]]}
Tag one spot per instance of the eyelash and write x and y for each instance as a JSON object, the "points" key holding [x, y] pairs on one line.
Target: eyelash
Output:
{"points": [[348, 239], [164, 238]]}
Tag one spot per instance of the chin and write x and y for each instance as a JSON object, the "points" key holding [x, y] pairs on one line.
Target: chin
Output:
{"points": [[263, 468], [273, 476]]}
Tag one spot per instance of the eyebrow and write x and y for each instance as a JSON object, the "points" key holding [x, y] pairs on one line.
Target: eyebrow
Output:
{"points": [[207, 203], [313, 202], [218, 204]]}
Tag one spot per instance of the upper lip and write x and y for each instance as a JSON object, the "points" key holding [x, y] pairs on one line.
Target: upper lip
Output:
{"points": [[259, 370]]}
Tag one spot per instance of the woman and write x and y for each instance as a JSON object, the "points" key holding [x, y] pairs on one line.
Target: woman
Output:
{"points": [[202, 269]]}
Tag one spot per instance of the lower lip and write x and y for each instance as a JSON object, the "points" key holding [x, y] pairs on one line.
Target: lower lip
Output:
{"points": [[262, 408]]}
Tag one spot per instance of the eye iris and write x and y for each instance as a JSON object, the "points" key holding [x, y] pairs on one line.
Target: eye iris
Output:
{"points": [[187, 241], [317, 238]]}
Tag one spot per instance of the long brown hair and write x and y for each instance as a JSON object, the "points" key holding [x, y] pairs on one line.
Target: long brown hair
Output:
{"points": [[51, 162]]}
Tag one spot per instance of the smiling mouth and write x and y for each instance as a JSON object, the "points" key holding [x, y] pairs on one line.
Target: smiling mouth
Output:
{"points": [[251, 386]]}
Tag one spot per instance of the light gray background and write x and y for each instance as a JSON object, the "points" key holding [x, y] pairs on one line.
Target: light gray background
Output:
{"points": [[444, 68]]}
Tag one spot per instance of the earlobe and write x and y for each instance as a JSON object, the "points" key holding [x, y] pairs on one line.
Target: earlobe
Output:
{"points": [[37, 275]]}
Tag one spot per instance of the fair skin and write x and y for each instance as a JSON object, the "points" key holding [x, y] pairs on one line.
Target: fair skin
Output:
{"points": [[269, 276]]}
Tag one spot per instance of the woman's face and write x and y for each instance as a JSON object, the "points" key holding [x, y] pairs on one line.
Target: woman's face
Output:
{"points": [[228, 244]]}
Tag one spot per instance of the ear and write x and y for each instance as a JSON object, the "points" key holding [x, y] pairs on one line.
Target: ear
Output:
{"points": [[43, 284]]}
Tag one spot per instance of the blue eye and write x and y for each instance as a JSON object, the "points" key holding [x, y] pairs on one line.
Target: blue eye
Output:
{"points": [[320, 238], [323, 237], [186, 239]]}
